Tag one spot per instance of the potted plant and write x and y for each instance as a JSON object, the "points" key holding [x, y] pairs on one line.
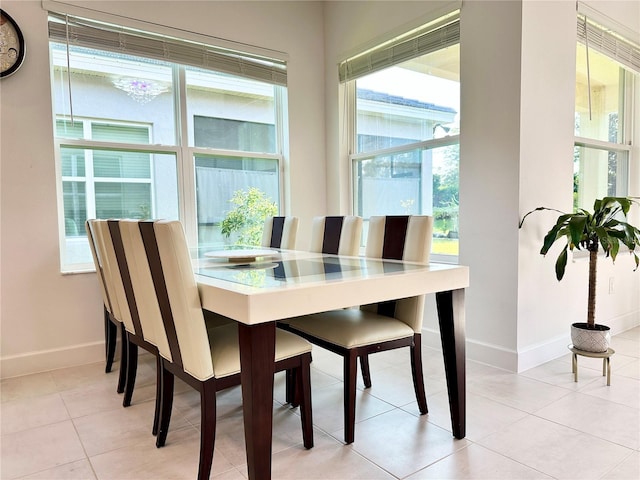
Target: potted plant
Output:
{"points": [[605, 227]]}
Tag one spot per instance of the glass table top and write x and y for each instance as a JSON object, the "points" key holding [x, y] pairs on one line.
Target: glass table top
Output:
{"points": [[282, 271]]}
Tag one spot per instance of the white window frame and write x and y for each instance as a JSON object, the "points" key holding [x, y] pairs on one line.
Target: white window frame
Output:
{"points": [[616, 48], [350, 99], [182, 150], [90, 145]]}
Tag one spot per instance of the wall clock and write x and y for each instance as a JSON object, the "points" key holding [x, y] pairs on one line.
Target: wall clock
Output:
{"points": [[12, 47]]}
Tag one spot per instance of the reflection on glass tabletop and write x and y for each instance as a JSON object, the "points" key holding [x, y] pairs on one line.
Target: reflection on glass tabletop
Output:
{"points": [[245, 255]]}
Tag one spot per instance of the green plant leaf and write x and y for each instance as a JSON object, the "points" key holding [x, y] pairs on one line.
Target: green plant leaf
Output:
{"points": [[557, 231], [615, 247], [603, 237], [576, 229], [561, 263], [536, 210]]}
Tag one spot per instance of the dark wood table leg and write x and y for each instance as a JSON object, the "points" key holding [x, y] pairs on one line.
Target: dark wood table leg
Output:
{"points": [[257, 353], [451, 317]]}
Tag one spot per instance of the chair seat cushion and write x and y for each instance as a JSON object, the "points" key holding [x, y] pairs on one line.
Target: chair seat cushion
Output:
{"points": [[225, 352], [351, 328]]}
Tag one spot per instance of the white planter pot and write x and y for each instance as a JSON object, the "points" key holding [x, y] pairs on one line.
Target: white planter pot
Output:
{"points": [[590, 339]]}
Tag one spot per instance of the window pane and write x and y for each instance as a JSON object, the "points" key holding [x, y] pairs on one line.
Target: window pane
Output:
{"points": [[68, 129], [112, 164], [75, 208], [73, 162], [221, 181], [115, 86], [230, 112], [105, 132], [446, 188], [123, 200], [234, 134], [598, 173], [415, 182], [414, 101], [155, 196], [604, 121]]}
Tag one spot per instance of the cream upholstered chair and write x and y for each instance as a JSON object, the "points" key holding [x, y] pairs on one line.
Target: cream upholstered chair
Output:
{"points": [[206, 359], [140, 320], [112, 323], [117, 281], [280, 232], [354, 333], [336, 235]]}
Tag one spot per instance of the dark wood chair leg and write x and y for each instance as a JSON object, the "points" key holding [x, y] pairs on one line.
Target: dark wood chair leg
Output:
{"points": [[132, 370], [366, 373], [156, 414], [290, 388], [418, 377], [303, 384], [166, 403], [110, 340], [207, 428], [350, 372], [124, 351]]}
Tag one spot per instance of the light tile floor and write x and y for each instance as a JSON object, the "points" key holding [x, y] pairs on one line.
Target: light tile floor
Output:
{"points": [[69, 424]]}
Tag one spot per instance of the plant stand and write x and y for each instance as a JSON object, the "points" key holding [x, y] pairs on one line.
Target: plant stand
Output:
{"points": [[605, 356]]}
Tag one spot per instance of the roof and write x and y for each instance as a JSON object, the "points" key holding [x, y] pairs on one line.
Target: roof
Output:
{"points": [[398, 100]]}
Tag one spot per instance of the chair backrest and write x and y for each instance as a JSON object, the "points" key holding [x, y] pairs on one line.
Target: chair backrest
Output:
{"points": [[112, 283], [336, 235], [142, 285], [401, 238], [97, 261], [280, 232], [177, 295], [117, 276]]}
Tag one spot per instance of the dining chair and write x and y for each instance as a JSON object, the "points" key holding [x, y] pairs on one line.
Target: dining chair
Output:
{"points": [[206, 359], [280, 232], [112, 323], [388, 325], [338, 235], [138, 317]]}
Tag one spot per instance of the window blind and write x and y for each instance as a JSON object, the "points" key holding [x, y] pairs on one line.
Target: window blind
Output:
{"points": [[104, 36], [429, 38], [609, 43]]}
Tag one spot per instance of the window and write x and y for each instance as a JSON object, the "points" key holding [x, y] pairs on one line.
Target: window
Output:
{"points": [[405, 101], [605, 86], [150, 126], [105, 173]]}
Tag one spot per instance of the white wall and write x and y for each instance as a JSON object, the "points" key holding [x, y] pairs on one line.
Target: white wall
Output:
{"points": [[512, 159], [49, 320], [546, 308], [546, 135]]}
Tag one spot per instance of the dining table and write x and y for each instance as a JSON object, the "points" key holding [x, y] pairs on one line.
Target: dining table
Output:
{"points": [[258, 288]]}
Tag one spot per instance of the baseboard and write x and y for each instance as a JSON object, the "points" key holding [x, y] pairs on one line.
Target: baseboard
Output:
{"points": [[500, 357], [543, 352], [46, 360], [624, 323], [531, 356], [493, 355]]}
